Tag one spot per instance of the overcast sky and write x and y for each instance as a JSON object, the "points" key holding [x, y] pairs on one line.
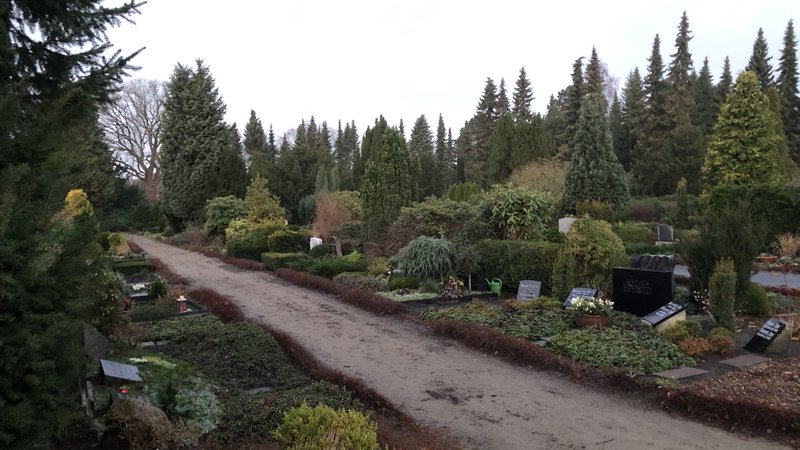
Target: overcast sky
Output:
{"points": [[355, 60]]}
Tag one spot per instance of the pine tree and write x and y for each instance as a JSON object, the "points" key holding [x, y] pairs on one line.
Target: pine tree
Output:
{"points": [[745, 147], [500, 164], [725, 82], [595, 80], [444, 158], [633, 114], [502, 99], [652, 165], [255, 140], [787, 88], [56, 71], [759, 61], [523, 96], [594, 173], [706, 106], [387, 185], [687, 145], [194, 135], [420, 147]]}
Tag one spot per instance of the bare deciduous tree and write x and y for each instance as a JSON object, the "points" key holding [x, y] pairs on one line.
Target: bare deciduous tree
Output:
{"points": [[131, 125]]}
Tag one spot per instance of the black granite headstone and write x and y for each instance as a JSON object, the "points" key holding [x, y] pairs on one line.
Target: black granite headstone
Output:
{"points": [[579, 292], [765, 336], [663, 313], [529, 289], [665, 233], [641, 291]]}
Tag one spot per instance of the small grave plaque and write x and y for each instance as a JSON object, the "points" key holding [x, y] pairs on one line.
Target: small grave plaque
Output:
{"points": [[120, 371], [665, 312], [765, 336], [579, 292], [641, 291], [529, 289], [665, 233]]}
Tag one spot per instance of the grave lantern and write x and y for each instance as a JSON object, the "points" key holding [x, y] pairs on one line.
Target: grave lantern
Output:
{"points": [[181, 304]]}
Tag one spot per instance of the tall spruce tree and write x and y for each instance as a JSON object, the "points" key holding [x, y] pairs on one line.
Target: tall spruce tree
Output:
{"points": [[594, 172], [194, 135], [759, 61], [570, 110], [706, 106], [746, 145], [483, 126], [595, 78], [500, 163], [421, 149], [687, 143], [387, 185], [619, 132], [653, 163], [633, 111], [502, 98], [255, 139], [788, 90], [523, 96], [347, 155], [56, 71], [725, 82]]}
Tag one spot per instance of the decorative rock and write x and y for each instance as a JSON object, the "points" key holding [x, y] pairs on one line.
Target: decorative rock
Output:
{"points": [[565, 223]]}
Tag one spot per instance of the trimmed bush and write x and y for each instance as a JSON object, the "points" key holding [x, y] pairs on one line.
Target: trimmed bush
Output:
{"points": [[286, 241], [427, 257], [403, 283], [721, 293], [360, 280], [321, 427], [251, 243], [595, 209], [330, 266], [596, 249], [721, 331], [274, 261], [639, 233], [681, 331], [319, 251], [755, 301], [220, 212], [158, 288], [512, 261]]}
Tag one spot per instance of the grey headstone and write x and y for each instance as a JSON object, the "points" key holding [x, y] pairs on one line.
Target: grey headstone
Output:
{"points": [[529, 289], [97, 346], [126, 372], [565, 223], [665, 233]]}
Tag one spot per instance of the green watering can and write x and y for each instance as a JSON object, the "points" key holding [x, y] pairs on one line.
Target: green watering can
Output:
{"points": [[495, 285]]}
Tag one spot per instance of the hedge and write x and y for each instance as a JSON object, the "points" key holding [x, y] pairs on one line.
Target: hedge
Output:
{"points": [[512, 261], [287, 241], [275, 260]]}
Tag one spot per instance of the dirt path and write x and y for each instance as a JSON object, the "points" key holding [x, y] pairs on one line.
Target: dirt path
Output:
{"points": [[484, 401]]}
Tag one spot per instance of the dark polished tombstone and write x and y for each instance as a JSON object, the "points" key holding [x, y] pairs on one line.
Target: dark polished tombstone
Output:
{"points": [[579, 292], [665, 233], [529, 289], [765, 336], [664, 313], [113, 370], [641, 291]]}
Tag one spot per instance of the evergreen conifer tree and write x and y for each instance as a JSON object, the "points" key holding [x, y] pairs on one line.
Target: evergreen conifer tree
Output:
{"points": [[594, 172], [745, 147], [706, 106], [788, 90], [255, 139], [229, 176], [619, 131], [387, 185], [759, 61], [595, 80], [444, 158], [571, 109], [633, 113], [502, 98], [194, 135], [725, 82], [420, 147], [500, 164], [523, 96]]}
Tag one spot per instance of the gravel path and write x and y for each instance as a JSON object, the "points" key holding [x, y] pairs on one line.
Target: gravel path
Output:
{"points": [[484, 401]]}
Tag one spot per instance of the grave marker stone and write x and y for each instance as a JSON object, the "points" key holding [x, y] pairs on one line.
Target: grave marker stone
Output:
{"points": [[641, 291], [529, 289], [766, 336], [119, 372], [666, 316], [665, 233], [579, 292], [565, 223]]}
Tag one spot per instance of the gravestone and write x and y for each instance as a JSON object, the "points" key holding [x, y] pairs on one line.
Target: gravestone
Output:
{"points": [[641, 291], [97, 345], [653, 262], [579, 292], [114, 371], [529, 289], [772, 332], [666, 316], [565, 223], [665, 233]]}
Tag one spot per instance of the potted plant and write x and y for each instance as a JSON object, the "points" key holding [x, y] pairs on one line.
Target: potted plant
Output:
{"points": [[592, 311]]}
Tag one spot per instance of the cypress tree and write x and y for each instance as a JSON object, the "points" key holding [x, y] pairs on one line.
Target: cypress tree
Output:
{"points": [[633, 111], [523, 96], [759, 61], [745, 147], [194, 135], [594, 172], [420, 146], [500, 165], [706, 106], [653, 163], [787, 88], [444, 158], [387, 185], [725, 82]]}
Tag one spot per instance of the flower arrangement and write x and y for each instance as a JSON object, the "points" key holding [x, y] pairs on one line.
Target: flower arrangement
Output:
{"points": [[591, 306]]}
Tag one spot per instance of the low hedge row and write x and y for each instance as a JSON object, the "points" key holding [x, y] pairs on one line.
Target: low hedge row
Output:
{"points": [[513, 261], [276, 260], [268, 239]]}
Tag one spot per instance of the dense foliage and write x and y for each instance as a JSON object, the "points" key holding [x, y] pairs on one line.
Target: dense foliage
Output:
{"points": [[512, 261], [220, 212], [518, 213], [596, 250], [427, 257]]}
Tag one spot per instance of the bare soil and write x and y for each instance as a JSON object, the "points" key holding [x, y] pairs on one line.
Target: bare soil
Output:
{"points": [[484, 401]]}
